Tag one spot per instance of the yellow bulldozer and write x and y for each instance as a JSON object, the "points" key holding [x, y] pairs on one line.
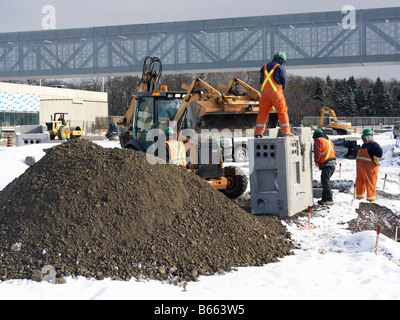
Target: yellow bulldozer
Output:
{"points": [[199, 115], [58, 127]]}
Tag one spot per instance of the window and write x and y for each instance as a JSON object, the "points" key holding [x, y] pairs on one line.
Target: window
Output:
{"points": [[145, 119], [11, 119], [167, 109]]}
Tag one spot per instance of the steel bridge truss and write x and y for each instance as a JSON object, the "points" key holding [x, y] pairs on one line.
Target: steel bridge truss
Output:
{"points": [[309, 39]]}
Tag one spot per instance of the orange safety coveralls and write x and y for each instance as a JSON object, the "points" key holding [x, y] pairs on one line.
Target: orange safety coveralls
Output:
{"points": [[367, 175], [272, 96], [177, 152]]}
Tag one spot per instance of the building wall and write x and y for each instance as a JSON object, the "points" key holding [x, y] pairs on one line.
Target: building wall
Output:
{"points": [[82, 106]]}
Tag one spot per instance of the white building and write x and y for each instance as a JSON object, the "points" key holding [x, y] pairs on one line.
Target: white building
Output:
{"points": [[33, 105]]}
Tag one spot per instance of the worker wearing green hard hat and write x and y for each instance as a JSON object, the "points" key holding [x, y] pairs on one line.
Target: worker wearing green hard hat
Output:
{"points": [[367, 164], [367, 132], [317, 132], [281, 55], [325, 160], [169, 131], [273, 81]]}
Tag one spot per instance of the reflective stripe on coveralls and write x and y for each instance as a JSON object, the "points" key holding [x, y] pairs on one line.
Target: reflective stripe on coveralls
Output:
{"points": [[272, 96], [177, 152], [367, 176]]}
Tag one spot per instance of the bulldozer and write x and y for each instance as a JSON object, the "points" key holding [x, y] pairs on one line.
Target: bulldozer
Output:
{"points": [[329, 123], [58, 127], [192, 113]]}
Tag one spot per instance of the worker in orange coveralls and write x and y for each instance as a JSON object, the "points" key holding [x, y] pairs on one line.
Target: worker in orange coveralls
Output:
{"points": [[367, 163], [273, 82]]}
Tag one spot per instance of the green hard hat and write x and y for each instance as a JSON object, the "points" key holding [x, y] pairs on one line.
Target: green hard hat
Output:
{"points": [[317, 133], [169, 131], [281, 54], [367, 132]]}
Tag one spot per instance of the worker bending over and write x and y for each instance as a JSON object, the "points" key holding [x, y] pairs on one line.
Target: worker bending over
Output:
{"points": [[273, 82], [325, 159], [367, 163]]}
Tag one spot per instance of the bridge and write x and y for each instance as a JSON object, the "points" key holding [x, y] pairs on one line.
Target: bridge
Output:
{"points": [[309, 40]]}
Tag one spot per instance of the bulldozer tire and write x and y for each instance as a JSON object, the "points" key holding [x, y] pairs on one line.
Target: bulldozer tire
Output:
{"points": [[238, 180], [62, 133], [240, 154]]}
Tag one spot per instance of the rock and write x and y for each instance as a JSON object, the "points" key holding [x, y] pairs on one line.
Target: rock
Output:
{"points": [[30, 160], [37, 275]]}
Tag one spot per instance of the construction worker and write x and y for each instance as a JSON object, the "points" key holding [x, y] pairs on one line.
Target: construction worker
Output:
{"points": [[175, 150], [61, 118], [273, 82], [367, 163], [325, 159]]}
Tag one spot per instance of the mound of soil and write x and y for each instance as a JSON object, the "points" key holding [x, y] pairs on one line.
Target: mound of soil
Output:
{"points": [[100, 212], [372, 215]]}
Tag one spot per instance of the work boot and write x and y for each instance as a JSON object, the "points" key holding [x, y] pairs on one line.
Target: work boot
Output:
{"points": [[288, 134], [258, 136], [325, 203]]}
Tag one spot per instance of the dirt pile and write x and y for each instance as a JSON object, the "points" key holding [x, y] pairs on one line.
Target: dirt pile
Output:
{"points": [[98, 212], [372, 215]]}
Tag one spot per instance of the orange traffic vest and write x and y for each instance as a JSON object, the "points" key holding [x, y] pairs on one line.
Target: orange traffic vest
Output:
{"points": [[268, 78], [177, 152], [327, 150]]}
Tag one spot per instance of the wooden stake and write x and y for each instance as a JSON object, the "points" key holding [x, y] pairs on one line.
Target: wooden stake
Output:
{"points": [[384, 182], [309, 217], [378, 231], [397, 228], [340, 171], [354, 191], [399, 181]]}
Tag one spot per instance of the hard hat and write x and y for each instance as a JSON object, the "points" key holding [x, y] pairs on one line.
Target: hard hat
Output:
{"points": [[317, 133], [281, 55], [367, 132], [169, 131]]}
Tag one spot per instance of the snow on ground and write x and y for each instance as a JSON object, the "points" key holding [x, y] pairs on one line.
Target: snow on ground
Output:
{"points": [[331, 263]]}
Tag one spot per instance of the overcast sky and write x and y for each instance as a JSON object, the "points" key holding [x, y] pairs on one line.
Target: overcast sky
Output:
{"points": [[26, 15]]}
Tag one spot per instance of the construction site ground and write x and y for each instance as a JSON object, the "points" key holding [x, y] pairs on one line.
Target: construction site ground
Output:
{"points": [[78, 228]]}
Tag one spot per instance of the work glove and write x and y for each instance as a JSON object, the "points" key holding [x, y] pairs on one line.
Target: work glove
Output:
{"points": [[376, 160]]}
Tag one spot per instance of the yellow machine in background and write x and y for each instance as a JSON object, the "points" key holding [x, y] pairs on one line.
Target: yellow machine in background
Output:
{"points": [[57, 127], [330, 124]]}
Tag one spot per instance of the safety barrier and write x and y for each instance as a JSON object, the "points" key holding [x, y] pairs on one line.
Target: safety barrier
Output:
{"points": [[9, 141]]}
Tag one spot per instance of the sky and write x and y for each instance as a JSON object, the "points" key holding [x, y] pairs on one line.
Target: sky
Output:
{"points": [[26, 15]]}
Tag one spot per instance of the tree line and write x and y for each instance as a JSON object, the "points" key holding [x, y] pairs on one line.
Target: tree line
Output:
{"points": [[361, 97]]}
